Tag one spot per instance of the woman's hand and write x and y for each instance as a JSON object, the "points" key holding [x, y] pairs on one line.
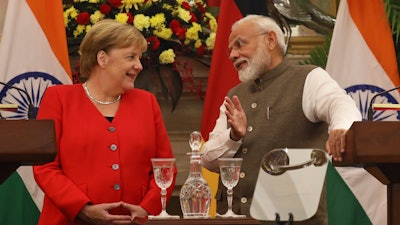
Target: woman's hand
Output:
{"points": [[99, 215], [138, 214]]}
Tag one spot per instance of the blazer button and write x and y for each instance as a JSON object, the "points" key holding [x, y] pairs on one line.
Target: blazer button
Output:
{"points": [[242, 174], [113, 147], [117, 187], [243, 200], [111, 129], [253, 105], [115, 166], [244, 150]]}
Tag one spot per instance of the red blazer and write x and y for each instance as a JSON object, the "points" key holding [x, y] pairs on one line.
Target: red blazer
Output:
{"points": [[99, 161]]}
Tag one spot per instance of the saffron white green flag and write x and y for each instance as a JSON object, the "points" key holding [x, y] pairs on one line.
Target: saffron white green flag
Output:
{"points": [[362, 59], [33, 56]]}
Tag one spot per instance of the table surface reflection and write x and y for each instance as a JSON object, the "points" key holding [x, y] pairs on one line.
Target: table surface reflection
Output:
{"points": [[213, 221]]}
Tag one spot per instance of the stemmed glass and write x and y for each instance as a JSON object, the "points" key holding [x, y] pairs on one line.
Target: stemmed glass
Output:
{"points": [[163, 169], [229, 172]]}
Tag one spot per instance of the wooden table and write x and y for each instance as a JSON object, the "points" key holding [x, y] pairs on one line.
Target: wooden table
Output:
{"points": [[211, 221]]}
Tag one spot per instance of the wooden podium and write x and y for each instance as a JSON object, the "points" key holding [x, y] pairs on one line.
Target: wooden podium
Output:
{"points": [[25, 142], [376, 146]]}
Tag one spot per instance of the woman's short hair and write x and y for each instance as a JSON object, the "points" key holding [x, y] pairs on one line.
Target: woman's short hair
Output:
{"points": [[105, 35]]}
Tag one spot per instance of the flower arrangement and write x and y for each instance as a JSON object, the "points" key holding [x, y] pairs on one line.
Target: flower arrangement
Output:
{"points": [[171, 27]]}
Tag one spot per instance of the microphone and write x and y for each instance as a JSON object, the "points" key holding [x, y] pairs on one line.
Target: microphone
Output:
{"points": [[31, 112], [370, 109]]}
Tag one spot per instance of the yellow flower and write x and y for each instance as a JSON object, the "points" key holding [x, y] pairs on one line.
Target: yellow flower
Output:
{"points": [[157, 21], [121, 17], [96, 17], [167, 57], [212, 22], [141, 21], [72, 12], [127, 4], [197, 44], [79, 30], [69, 13], [66, 20], [167, 6], [88, 27], [193, 32], [210, 41], [164, 33], [184, 14], [94, 1]]}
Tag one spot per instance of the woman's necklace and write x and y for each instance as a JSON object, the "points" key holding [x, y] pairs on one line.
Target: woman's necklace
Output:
{"points": [[98, 101]]}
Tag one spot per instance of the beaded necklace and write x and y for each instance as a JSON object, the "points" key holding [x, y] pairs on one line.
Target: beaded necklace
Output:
{"points": [[98, 101]]}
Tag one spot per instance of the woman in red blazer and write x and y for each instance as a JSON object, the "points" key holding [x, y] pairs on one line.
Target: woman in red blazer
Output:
{"points": [[107, 131]]}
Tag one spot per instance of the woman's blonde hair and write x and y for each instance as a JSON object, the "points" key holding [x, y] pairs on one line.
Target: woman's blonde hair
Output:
{"points": [[105, 35]]}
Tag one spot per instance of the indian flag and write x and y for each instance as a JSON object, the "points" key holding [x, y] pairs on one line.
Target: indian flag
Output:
{"points": [[33, 56], [362, 59]]}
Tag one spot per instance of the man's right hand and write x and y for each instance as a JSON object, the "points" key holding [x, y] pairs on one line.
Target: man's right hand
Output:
{"points": [[236, 118]]}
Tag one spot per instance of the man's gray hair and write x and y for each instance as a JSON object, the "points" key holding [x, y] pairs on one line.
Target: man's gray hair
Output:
{"points": [[266, 24]]}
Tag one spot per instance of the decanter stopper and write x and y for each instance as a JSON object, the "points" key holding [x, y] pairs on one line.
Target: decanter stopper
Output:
{"points": [[195, 140], [195, 194]]}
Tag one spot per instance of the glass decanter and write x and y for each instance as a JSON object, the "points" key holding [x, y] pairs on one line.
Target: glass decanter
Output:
{"points": [[195, 195]]}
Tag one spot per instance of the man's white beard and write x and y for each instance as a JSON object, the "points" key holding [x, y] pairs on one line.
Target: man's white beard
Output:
{"points": [[256, 65]]}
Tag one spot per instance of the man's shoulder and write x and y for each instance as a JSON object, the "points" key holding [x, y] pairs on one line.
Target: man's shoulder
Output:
{"points": [[303, 66]]}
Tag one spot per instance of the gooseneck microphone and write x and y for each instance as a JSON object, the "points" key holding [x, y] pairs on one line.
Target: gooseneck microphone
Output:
{"points": [[370, 108], [31, 112]]}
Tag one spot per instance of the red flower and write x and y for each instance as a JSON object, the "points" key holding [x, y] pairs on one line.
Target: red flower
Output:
{"points": [[194, 18], [174, 25], [200, 51], [105, 8], [115, 3], [201, 8], [177, 29], [181, 33], [186, 6], [154, 42], [130, 18], [83, 18]]}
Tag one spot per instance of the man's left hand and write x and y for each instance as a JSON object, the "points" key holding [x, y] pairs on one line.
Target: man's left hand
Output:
{"points": [[335, 144]]}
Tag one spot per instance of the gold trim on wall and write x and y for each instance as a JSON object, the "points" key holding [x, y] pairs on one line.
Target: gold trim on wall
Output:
{"points": [[303, 45]]}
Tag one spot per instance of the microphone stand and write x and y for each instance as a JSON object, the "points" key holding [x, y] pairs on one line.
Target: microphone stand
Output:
{"points": [[31, 113], [370, 108]]}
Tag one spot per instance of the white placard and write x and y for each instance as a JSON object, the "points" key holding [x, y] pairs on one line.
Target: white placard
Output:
{"points": [[295, 191]]}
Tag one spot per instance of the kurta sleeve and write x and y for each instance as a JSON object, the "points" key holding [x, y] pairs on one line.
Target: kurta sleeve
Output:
{"points": [[219, 144]]}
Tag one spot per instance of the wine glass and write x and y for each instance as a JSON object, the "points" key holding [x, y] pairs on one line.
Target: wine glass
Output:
{"points": [[229, 172], [163, 169]]}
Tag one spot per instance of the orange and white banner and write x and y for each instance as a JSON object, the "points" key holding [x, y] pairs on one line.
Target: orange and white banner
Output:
{"points": [[362, 60], [33, 56]]}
